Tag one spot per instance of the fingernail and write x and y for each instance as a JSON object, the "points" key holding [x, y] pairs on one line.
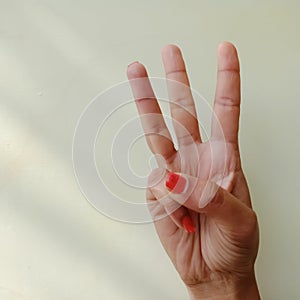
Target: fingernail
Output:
{"points": [[176, 183], [135, 62], [188, 224]]}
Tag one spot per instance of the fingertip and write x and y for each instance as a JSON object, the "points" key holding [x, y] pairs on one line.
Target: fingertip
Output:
{"points": [[188, 224], [170, 49], [226, 46], [176, 183], [172, 58], [136, 70], [228, 56]]}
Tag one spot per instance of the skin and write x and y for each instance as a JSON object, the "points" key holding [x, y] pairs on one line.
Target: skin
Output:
{"points": [[217, 260]]}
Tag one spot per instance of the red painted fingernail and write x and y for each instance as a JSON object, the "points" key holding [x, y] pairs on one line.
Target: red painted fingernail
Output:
{"points": [[176, 183], [171, 180], [188, 224]]}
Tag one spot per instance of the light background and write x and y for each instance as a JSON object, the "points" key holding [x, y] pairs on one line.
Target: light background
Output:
{"points": [[55, 56]]}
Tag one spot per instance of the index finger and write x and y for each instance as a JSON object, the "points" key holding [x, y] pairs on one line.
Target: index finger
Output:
{"points": [[157, 134]]}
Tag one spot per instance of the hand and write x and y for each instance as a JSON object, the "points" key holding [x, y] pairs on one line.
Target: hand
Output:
{"points": [[212, 238]]}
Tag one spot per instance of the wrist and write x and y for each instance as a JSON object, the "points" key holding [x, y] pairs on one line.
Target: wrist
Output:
{"points": [[224, 289]]}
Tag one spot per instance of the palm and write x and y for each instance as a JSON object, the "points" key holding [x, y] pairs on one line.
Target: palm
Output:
{"points": [[213, 160], [199, 256], [209, 235]]}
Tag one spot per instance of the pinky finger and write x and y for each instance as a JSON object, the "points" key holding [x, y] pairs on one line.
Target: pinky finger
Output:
{"points": [[163, 207]]}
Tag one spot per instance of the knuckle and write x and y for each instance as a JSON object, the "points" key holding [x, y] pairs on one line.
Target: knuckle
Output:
{"points": [[218, 199], [213, 196], [158, 128]]}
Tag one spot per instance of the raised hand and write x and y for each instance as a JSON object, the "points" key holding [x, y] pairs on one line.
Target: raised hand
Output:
{"points": [[212, 235]]}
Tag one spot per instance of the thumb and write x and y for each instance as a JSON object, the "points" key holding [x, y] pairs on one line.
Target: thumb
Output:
{"points": [[208, 198]]}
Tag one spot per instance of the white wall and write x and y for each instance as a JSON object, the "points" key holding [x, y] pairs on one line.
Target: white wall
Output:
{"points": [[55, 56]]}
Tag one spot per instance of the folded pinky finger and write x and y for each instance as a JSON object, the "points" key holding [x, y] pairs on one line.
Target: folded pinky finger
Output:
{"points": [[168, 215]]}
